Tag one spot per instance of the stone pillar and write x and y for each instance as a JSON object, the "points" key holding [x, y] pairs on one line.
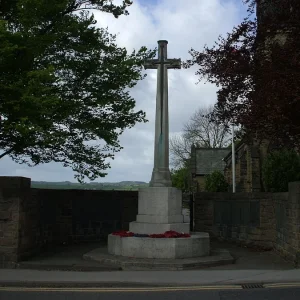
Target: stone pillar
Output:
{"points": [[292, 237], [161, 173], [161, 176], [13, 191]]}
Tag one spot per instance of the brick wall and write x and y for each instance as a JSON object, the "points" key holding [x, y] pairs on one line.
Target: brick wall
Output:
{"points": [[34, 219], [266, 220]]}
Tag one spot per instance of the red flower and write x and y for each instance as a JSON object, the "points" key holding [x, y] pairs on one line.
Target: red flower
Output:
{"points": [[159, 235], [172, 234], [167, 234], [123, 233]]}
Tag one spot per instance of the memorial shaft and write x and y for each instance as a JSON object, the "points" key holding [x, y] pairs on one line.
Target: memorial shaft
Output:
{"points": [[161, 176]]}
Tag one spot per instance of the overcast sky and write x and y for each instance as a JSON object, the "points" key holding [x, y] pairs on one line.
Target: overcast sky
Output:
{"points": [[185, 24]]}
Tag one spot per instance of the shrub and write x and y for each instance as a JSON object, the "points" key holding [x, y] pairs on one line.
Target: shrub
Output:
{"points": [[180, 179], [280, 168], [215, 182]]}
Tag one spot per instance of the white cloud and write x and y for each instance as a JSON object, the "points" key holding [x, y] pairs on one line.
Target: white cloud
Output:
{"points": [[185, 24]]}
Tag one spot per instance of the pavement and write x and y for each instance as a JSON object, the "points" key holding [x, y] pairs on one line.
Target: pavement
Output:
{"points": [[251, 258], [36, 278], [60, 268], [68, 258]]}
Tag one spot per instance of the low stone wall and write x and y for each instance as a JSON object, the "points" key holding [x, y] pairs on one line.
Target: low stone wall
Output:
{"points": [[14, 193], [241, 217], [265, 220], [287, 209], [32, 220], [84, 215]]}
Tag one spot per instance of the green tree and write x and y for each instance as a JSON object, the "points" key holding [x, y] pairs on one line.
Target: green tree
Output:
{"points": [[64, 84], [180, 178], [216, 182], [280, 168]]}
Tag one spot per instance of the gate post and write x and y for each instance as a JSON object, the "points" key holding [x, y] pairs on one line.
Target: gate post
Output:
{"points": [[191, 212]]}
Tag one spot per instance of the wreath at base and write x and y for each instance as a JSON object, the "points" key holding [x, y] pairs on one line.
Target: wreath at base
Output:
{"points": [[167, 234]]}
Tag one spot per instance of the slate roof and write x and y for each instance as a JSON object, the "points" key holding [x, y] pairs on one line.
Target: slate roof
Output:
{"points": [[209, 160]]}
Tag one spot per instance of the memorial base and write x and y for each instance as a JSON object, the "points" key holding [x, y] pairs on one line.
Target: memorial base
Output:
{"points": [[169, 248], [159, 210]]}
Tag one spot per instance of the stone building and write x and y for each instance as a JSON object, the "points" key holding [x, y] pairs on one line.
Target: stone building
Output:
{"points": [[249, 159], [203, 162]]}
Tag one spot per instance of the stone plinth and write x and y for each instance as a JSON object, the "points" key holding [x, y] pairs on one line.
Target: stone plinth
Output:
{"points": [[168, 248], [159, 210], [151, 228]]}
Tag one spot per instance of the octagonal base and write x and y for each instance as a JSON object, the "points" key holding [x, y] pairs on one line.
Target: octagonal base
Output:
{"points": [[196, 246]]}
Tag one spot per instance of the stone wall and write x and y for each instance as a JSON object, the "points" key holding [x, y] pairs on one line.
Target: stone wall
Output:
{"points": [[84, 215], [249, 159], [32, 220], [264, 220], [241, 217], [287, 209], [30, 231], [14, 202]]}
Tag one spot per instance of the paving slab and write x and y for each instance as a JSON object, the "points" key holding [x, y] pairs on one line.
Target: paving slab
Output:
{"points": [[247, 258], [67, 258]]}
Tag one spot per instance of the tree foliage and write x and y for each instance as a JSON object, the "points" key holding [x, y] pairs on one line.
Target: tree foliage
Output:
{"points": [[205, 133], [180, 178], [256, 68], [64, 84], [280, 168], [216, 182], [200, 131], [180, 150]]}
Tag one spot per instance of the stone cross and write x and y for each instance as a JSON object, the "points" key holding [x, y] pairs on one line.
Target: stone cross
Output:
{"points": [[161, 176]]}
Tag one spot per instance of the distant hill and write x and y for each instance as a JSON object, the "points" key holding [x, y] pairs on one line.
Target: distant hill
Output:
{"points": [[123, 185]]}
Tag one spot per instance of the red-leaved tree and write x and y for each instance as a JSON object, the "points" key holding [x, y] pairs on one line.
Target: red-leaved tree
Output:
{"points": [[257, 70]]}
